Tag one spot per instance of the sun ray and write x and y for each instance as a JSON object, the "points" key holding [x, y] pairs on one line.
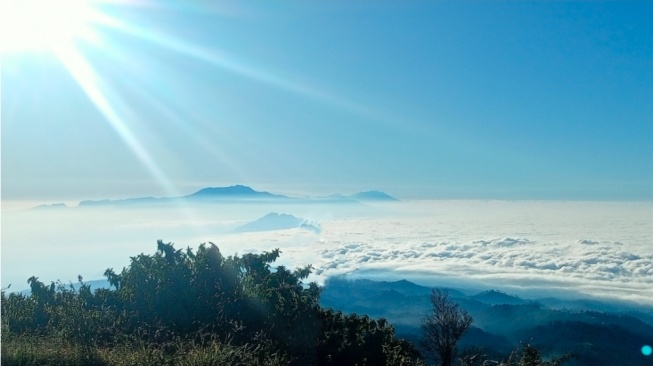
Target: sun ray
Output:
{"points": [[90, 82], [232, 64], [97, 27], [183, 117]]}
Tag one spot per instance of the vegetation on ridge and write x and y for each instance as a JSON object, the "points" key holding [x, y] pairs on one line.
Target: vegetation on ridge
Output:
{"points": [[185, 307], [193, 307]]}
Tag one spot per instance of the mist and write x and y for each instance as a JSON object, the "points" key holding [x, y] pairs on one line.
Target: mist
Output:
{"points": [[533, 248]]}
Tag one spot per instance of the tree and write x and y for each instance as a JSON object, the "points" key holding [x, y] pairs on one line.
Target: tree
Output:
{"points": [[530, 356], [183, 301], [349, 339], [443, 327]]}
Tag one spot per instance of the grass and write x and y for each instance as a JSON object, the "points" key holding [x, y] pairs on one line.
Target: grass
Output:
{"points": [[33, 351], [48, 351]]}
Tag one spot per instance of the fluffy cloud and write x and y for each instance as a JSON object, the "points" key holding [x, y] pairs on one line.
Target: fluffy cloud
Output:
{"points": [[616, 261], [598, 249]]}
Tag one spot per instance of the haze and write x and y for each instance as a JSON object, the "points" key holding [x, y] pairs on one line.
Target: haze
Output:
{"points": [[566, 249], [444, 99], [516, 134]]}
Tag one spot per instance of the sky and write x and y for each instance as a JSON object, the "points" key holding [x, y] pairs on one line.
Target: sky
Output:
{"points": [[437, 99]]}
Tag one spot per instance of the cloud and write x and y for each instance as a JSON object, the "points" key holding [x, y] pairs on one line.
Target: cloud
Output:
{"points": [[612, 268], [503, 242], [593, 249]]}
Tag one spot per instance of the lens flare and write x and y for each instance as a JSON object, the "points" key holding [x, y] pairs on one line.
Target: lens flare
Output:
{"points": [[43, 25], [647, 350]]}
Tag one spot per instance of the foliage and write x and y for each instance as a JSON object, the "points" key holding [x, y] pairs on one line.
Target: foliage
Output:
{"points": [[443, 327], [523, 355], [592, 344], [530, 356], [179, 305], [51, 351], [354, 340]]}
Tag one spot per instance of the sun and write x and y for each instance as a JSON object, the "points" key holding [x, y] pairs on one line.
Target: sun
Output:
{"points": [[43, 25]]}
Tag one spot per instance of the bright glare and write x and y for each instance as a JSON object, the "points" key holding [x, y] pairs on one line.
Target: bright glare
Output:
{"points": [[42, 25], [647, 350]]}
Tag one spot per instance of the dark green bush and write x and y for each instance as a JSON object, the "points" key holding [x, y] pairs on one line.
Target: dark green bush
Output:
{"points": [[185, 307]]}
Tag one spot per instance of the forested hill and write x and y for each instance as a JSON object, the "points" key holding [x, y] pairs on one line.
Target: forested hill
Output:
{"points": [[186, 307], [502, 321]]}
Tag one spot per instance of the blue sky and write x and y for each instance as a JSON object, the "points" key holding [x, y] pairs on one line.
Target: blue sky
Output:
{"points": [[442, 99]]}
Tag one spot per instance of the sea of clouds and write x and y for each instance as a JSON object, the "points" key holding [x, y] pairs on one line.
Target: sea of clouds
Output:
{"points": [[531, 248]]}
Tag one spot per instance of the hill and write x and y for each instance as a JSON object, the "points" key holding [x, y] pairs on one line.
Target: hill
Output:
{"points": [[274, 221], [233, 192], [236, 193], [372, 196], [502, 321], [494, 297]]}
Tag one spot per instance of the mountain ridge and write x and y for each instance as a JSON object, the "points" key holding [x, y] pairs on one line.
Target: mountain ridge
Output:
{"points": [[236, 192], [279, 221]]}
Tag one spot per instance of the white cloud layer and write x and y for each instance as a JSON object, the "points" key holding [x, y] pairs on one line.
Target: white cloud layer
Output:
{"points": [[595, 249]]}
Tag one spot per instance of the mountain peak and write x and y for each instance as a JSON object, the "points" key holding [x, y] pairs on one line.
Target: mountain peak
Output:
{"points": [[235, 190], [494, 297], [373, 196], [51, 206], [275, 221], [232, 191]]}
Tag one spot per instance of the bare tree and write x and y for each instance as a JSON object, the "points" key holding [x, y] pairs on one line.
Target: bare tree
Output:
{"points": [[443, 327]]}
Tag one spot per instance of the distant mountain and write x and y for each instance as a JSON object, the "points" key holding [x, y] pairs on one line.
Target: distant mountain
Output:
{"points": [[237, 192], [233, 192], [494, 297], [492, 309], [53, 206], [503, 321], [603, 305], [87, 203], [372, 196], [274, 221]]}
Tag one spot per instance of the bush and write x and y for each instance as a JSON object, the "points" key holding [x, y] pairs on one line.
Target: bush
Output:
{"points": [[184, 307]]}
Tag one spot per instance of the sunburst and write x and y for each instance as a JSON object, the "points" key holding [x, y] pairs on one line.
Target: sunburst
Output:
{"points": [[44, 25], [63, 29]]}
